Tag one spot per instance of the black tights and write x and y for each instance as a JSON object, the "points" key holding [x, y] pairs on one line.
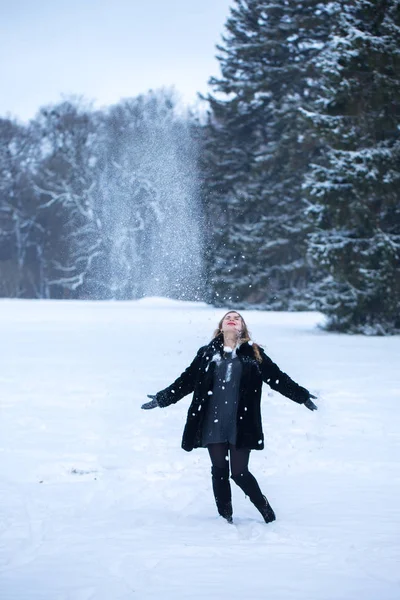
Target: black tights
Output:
{"points": [[223, 453]]}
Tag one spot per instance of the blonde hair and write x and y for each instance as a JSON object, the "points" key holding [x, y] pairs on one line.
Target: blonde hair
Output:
{"points": [[244, 336]]}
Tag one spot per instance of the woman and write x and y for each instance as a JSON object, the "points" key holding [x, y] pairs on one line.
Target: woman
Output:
{"points": [[226, 377]]}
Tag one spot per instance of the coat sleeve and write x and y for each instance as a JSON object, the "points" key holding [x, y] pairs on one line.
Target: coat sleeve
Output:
{"points": [[182, 386], [280, 381]]}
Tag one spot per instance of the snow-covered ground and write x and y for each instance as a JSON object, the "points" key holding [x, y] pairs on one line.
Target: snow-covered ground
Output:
{"points": [[98, 501]]}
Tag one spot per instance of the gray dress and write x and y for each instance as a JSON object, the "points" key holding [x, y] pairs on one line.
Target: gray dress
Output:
{"points": [[219, 423]]}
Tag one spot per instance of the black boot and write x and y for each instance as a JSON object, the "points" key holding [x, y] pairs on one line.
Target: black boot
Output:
{"points": [[248, 483], [222, 492]]}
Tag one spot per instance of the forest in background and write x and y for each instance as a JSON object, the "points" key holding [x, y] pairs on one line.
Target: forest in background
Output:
{"points": [[284, 197]]}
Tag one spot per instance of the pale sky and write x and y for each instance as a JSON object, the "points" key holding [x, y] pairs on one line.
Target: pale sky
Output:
{"points": [[105, 50]]}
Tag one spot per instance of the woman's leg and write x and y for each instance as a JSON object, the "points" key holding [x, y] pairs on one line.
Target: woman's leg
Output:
{"points": [[248, 483], [220, 479], [219, 455], [239, 459]]}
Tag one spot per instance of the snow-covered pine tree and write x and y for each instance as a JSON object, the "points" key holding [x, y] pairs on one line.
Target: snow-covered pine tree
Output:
{"points": [[258, 149], [355, 190]]}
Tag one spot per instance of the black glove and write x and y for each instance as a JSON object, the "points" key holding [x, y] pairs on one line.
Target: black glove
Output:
{"points": [[310, 404], [152, 404]]}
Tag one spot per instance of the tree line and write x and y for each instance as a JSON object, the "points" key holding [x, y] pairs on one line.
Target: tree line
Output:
{"points": [[91, 202], [286, 197]]}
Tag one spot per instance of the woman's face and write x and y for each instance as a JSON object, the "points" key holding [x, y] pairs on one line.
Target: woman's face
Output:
{"points": [[232, 322]]}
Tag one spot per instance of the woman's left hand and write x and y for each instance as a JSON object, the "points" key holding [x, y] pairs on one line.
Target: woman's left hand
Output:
{"points": [[310, 404], [152, 404]]}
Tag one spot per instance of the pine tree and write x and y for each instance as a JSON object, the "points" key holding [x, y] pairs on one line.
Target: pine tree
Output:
{"points": [[257, 150], [354, 190]]}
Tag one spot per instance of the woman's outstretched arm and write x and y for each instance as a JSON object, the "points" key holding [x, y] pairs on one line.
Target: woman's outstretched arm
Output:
{"points": [[282, 383], [181, 387]]}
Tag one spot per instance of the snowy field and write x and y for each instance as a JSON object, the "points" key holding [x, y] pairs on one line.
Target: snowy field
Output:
{"points": [[98, 501]]}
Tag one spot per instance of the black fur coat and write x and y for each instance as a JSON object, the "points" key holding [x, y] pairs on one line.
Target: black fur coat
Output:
{"points": [[199, 377]]}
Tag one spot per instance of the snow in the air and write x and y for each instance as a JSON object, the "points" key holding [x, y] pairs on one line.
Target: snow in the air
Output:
{"points": [[99, 502]]}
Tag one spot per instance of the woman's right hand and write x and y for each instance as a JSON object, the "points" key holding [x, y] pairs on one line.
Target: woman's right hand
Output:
{"points": [[310, 404], [152, 404]]}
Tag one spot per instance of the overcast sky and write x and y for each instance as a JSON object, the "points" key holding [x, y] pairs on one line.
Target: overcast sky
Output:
{"points": [[105, 49]]}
